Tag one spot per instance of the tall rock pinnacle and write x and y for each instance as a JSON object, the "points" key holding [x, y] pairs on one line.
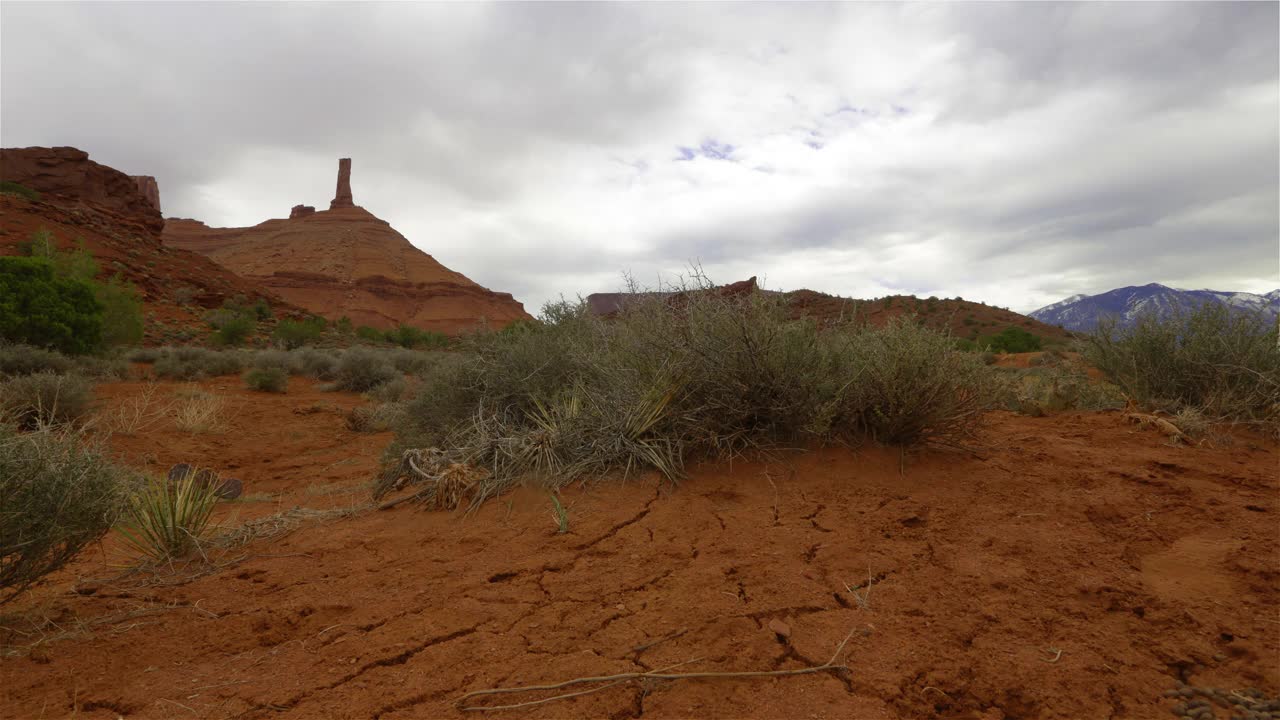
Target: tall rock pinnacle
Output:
{"points": [[343, 197]]}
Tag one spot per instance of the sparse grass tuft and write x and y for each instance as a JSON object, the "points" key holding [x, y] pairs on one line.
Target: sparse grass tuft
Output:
{"points": [[198, 411]]}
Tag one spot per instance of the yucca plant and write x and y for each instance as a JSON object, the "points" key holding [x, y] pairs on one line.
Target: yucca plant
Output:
{"points": [[166, 519]]}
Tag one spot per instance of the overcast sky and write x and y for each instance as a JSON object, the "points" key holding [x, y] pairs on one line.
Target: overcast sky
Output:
{"points": [[1012, 153]]}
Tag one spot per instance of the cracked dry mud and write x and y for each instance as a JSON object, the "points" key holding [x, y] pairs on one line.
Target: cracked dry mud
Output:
{"points": [[1079, 567]]}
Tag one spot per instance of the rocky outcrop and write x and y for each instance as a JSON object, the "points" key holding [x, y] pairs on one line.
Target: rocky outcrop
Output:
{"points": [[298, 211], [66, 176], [342, 197], [149, 188], [347, 262], [102, 210]]}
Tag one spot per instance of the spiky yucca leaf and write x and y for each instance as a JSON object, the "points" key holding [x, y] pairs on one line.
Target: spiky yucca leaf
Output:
{"points": [[167, 519]]}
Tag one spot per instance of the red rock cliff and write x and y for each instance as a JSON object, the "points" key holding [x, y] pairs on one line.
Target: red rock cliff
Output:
{"points": [[66, 176], [149, 188]]}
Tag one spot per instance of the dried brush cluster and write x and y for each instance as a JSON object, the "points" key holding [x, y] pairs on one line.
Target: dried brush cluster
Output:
{"points": [[703, 373]]}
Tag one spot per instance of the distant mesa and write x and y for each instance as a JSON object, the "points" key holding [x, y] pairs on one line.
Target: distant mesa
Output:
{"points": [[344, 261]]}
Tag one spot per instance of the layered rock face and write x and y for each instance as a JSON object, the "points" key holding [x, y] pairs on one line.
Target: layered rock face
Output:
{"points": [[346, 262], [109, 212], [66, 176], [149, 189], [298, 211]]}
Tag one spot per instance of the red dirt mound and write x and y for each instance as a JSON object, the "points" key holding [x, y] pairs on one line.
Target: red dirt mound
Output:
{"points": [[1073, 566], [345, 261]]}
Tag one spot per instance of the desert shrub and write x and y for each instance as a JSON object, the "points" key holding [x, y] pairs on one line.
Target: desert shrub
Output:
{"points": [[261, 309], [412, 337], [222, 363], [145, 355], [9, 187], [229, 327], [112, 366], [374, 418], [25, 360], [60, 495], [361, 369], [914, 387], [412, 362], [697, 374], [1059, 387], [296, 333], [41, 308], [167, 518], [278, 360], [45, 398], [390, 391], [317, 364], [185, 295], [191, 363], [122, 321], [1225, 362], [267, 380], [1011, 340], [371, 334], [344, 326]]}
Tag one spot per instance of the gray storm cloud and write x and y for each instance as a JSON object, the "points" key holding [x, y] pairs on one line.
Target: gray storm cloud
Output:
{"points": [[1014, 153]]}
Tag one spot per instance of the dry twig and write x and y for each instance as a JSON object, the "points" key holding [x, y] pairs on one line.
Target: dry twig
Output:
{"points": [[659, 674]]}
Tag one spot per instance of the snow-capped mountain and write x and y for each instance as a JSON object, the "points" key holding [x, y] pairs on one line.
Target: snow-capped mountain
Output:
{"points": [[1081, 312]]}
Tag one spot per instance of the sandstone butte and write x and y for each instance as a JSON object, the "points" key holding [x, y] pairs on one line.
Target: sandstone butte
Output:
{"points": [[117, 218], [346, 262]]}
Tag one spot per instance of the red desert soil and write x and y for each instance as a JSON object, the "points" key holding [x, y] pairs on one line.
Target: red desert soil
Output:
{"points": [[1076, 567]]}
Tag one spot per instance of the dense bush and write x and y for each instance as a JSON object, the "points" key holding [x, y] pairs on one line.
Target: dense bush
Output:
{"points": [[120, 302], [122, 322], [701, 374], [59, 496], [361, 369], [230, 327], [38, 307], [412, 337], [1011, 340], [1224, 361], [371, 334], [273, 380], [44, 398], [283, 360], [295, 333], [317, 364]]}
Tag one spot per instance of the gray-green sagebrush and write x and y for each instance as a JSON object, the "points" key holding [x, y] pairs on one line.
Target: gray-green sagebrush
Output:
{"points": [[676, 377]]}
